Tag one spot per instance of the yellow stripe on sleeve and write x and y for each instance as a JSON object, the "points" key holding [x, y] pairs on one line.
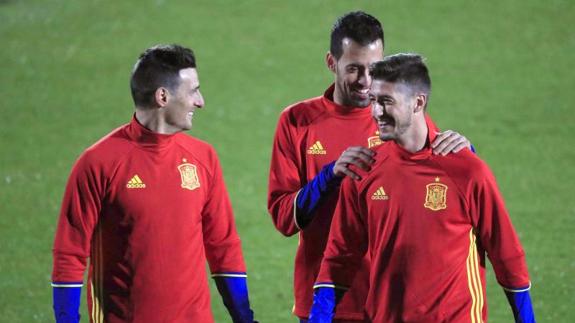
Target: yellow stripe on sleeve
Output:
{"points": [[474, 281]]}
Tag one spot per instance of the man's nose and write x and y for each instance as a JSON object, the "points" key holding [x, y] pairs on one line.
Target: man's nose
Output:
{"points": [[199, 101], [380, 110], [377, 110], [364, 78]]}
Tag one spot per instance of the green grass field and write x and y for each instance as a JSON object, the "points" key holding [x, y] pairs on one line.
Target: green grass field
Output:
{"points": [[502, 73]]}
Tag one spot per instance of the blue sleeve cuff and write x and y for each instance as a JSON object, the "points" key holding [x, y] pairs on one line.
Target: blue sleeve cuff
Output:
{"points": [[311, 195], [66, 301], [520, 302], [324, 302], [472, 148], [234, 291]]}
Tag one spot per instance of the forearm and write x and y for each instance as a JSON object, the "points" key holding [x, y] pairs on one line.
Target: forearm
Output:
{"points": [[313, 193], [325, 299], [520, 302], [234, 291], [292, 207], [67, 280], [66, 301]]}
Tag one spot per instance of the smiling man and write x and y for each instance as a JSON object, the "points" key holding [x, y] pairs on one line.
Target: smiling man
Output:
{"points": [[320, 141], [147, 205], [427, 222]]}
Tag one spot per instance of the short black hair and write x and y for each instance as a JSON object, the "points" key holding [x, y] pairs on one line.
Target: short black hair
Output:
{"points": [[409, 69], [359, 26], [158, 66]]}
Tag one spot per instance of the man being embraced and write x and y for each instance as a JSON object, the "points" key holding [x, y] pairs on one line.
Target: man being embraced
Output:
{"points": [[426, 221]]}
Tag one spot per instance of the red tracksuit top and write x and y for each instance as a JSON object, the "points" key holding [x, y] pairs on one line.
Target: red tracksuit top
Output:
{"points": [[147, 209], [309, 135], [426, 221]]}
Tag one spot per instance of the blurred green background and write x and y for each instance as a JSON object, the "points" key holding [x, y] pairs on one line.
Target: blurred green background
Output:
{"points": [[503, 74]]}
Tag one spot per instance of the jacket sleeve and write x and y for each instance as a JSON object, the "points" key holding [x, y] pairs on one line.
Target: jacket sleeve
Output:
{"points": [[221, 241], [223, 249], [496, 233], [284, 180], [78, 216], [347, 242]]}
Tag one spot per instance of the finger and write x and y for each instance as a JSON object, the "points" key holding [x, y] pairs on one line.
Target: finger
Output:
{"points": [[358, 154], [348, 172], [460, 146], [360, 149], [356, 161], [440, 147], [364, 158], [341, 170], [360, 164], [441, 136], [449, 148], [354, 156]]}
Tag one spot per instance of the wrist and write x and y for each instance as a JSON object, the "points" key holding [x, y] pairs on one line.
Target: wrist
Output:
{"points": [[66, 301], [234, 292], [331, 174]]}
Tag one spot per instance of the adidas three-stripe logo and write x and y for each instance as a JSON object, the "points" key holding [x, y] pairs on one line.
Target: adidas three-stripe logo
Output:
{"points": [[135, 182], [316, 149], [379, 194]]}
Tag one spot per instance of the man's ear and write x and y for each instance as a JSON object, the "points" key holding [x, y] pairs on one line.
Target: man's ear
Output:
{"points": [[161, 96], [330, 61], [420, 102]]}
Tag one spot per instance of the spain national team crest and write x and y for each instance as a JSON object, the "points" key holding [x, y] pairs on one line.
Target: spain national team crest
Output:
{"points": [[189, 176], [374, 141], [436, 197]]}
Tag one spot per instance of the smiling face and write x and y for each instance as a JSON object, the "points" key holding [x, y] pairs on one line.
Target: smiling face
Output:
{"points": [[393, 108], [183, 101], [352, 80]]}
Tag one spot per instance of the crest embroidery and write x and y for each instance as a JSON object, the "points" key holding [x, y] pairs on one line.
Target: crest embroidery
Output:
{"points": [[374, 141], [189, 176], [436, 197]]}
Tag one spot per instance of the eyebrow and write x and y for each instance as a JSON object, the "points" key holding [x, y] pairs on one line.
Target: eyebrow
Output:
{"points": [[384, 97]]}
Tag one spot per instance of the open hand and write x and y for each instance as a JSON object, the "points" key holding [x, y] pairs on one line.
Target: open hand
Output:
{"points": [[449, 141]]}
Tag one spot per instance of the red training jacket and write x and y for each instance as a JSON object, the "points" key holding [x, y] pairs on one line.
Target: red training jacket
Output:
{"points": [[427, 222], [147, 209], [309, 135]]}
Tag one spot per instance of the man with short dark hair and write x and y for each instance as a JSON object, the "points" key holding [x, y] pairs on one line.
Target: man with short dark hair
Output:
{"points": [[321, 140], [147, 204], [425, 221]]}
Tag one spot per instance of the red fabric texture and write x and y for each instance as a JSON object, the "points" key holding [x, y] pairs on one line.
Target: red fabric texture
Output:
{"points": [[420, 244], [147, 210], [297, 159]]}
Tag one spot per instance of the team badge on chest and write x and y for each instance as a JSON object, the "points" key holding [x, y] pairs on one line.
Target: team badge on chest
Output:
{"points": [[374, 141], [189, 175], [436, 197]]}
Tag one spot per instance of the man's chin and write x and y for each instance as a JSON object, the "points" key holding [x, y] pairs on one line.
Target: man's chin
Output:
{"points": [[362, 100], [356, 100], [360, 103], [187, 127]]}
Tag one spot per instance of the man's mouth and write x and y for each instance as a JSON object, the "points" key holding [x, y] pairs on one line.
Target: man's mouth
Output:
{"points": [[363, 93], [381, 124]]}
